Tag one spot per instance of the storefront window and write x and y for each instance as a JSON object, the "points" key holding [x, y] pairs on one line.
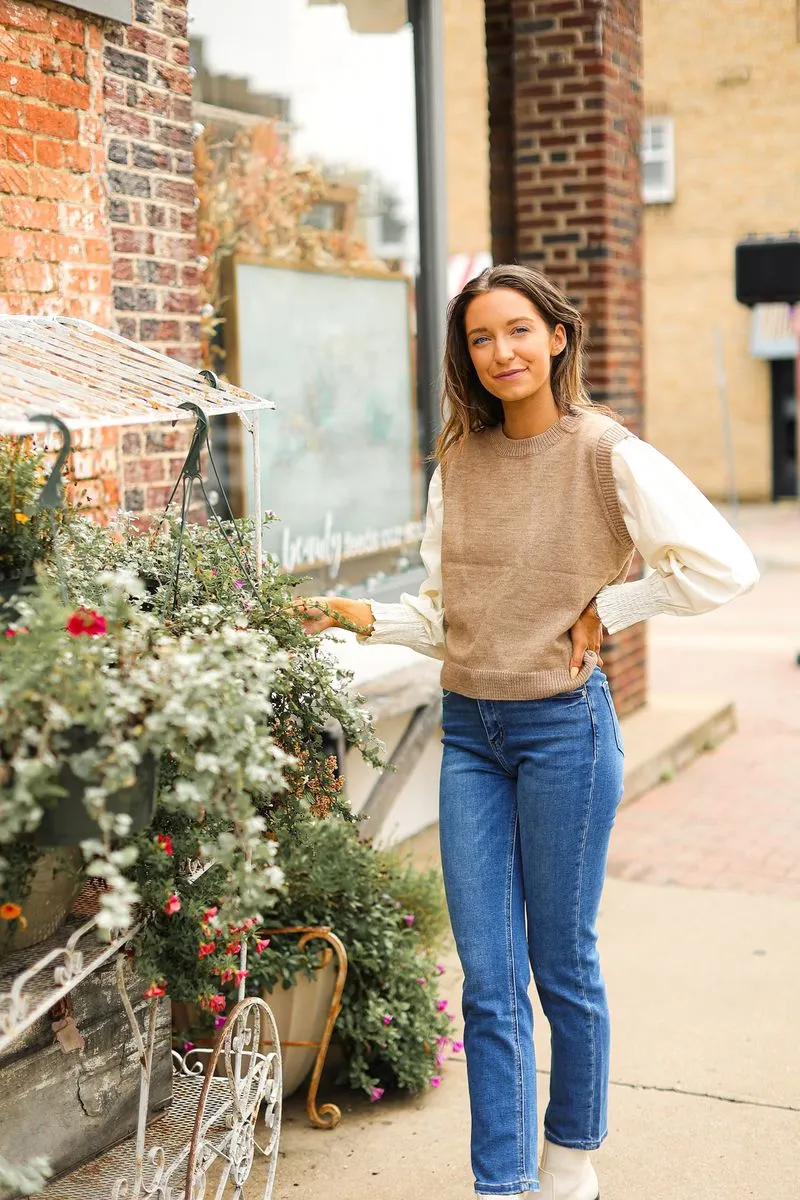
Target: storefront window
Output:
{"points": [[308, 227]]}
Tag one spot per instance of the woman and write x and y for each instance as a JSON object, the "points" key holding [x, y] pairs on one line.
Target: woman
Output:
{"points": [[534, 513]]}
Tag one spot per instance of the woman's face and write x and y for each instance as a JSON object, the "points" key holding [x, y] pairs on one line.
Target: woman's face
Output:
{"points": [[510, 345]]}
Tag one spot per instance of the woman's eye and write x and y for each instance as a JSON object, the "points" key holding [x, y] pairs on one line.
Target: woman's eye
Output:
{"points": [[479, 340], [521, 329]]}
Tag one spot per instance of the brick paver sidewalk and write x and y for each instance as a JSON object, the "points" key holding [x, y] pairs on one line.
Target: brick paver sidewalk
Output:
{"points": [[732, 819]]}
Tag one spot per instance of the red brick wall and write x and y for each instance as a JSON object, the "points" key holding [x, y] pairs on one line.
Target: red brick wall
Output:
{"points": [[54, 242], [564, 147], [97, 212], [150, 168], [54, 251]]}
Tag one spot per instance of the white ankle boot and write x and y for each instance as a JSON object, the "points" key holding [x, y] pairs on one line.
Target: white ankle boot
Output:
{"points": [[567, 1174]]}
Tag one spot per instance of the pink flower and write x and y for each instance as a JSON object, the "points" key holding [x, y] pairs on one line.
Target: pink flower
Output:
{"points": [[436, 1080], [375, 1094], [440, 970], [441, 1005], [87, 621], [261, 945], [239, 976], [173, 905], [439, 1059], [237, 583], [387, 1018], [451, 1016], [422, 981], [458, 1047], [409, 919], [442, 1041], [187, 1046], [219, 1022], [210, 913]]}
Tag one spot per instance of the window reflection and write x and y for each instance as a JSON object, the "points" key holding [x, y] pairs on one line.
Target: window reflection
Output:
{"points": [[306, 165]]}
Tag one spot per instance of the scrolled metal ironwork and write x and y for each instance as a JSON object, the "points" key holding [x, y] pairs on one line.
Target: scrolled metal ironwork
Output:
{"points": [[252, 1078]]}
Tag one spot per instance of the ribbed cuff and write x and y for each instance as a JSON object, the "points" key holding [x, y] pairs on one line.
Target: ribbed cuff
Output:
{"points": [[624, 604], [399, 625]]}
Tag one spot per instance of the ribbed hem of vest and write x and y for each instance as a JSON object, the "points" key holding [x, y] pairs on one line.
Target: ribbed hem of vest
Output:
{"points": [[508, 447], [514, 685]]}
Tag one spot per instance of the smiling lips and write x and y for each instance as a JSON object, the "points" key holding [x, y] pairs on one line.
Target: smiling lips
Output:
{"points": [[510, 374]]}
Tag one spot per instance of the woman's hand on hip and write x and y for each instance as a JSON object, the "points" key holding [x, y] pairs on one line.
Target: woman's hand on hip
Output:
{"points": [[586, 634]]}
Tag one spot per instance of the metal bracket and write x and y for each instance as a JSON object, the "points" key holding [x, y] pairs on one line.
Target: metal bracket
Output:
{"points": [[51, 495]]}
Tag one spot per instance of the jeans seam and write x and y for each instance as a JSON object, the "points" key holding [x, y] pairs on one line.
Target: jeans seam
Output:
{"points": [[579, 891], [513, 986], [490, 743]]}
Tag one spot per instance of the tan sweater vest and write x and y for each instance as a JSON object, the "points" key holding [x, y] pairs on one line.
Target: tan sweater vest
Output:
{"points": [[532, 531]]}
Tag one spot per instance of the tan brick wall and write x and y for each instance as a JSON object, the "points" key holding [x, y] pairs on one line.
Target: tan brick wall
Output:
{"points": [[466, 127], [728, 72]]}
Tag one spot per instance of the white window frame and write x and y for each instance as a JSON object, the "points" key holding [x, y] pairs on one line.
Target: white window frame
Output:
{"points": [[663, 193]]}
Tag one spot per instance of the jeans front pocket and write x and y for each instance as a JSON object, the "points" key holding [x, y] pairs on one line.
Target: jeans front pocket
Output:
{"points": [[614, 718]]}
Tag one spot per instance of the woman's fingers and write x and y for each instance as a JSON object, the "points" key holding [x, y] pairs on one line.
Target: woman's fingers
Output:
{"points": [[579, 648], [313, 612]]}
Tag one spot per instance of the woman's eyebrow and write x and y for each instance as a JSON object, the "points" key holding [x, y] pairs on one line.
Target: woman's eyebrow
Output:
{"points": [[483, 329]]}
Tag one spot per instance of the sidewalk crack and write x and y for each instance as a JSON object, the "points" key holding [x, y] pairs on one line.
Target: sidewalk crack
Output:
{"points": [[654, 1087]]}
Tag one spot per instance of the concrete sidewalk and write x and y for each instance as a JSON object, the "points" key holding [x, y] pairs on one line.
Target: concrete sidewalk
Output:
{"points": [[705, 1096]]}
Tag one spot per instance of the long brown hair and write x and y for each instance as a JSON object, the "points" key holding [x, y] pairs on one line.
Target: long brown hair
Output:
{"points": [[466, 404]]}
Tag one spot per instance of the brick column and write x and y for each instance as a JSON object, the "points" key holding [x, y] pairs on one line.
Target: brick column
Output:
{"points": [[574, 69], [150, 168]]}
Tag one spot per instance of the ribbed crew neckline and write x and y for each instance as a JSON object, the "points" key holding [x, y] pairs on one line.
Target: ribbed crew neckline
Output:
{"points": [[525, 447]]}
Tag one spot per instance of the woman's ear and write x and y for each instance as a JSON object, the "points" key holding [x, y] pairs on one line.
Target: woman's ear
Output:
{"points": [[558, 340]]}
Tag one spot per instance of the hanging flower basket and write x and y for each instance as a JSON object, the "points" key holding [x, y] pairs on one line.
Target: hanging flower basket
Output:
{"points": [[67, 821]]}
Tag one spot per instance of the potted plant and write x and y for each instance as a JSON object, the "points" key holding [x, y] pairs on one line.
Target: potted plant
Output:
{"points": [[393, 1029], [212, 674], [90, 699]]}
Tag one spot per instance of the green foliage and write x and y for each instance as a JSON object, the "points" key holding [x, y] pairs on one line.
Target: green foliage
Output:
{"points": [[210, 671], [24, 529], [363, 894]]}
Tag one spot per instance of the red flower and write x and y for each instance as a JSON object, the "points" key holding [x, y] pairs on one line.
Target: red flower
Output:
{"points": [[13, 632], [206, 948], [210, 913], [215, 1004], [87, 621], [165, 842], [173, 905], [233, 947], [261, 945], [155, 990], [240, 975]]}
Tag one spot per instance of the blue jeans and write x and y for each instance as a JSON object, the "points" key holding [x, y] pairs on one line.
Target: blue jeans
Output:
{"points": [[529, 789]]}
